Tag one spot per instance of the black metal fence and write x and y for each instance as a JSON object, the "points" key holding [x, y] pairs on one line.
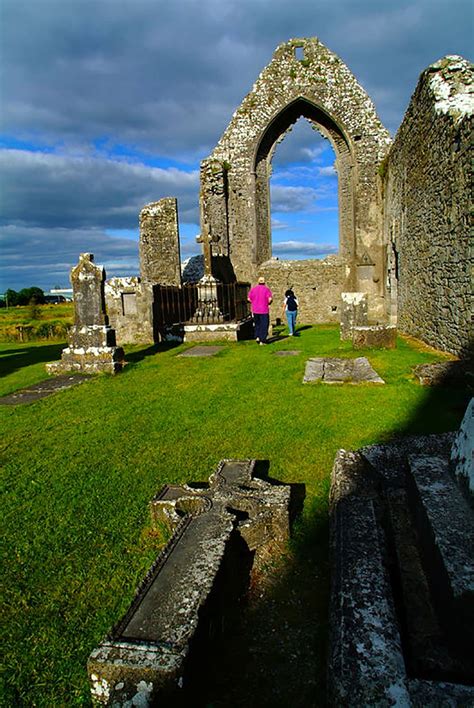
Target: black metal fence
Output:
{"points": [[173, 305]]}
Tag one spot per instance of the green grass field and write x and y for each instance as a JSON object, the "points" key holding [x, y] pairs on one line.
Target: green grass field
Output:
{"points": [[33, 322], [79, 468]]}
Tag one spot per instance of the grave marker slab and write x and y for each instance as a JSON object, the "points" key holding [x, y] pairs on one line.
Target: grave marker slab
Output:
{"points": [[238, 519], [201, 351], [333, 370]]}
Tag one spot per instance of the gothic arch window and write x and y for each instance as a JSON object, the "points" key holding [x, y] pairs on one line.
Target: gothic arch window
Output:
{"points": [[276, 128]]}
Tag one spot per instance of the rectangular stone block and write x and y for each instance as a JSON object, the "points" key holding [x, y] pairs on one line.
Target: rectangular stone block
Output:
{"points": [[354, 312], [374, 337], [445, 524]]}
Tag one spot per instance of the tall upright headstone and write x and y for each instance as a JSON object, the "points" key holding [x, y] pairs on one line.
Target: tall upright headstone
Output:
{"points": [[160, 260], [92, 346]]}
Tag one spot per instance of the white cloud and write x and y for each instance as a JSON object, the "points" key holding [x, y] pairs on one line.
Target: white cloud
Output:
{"points": [[164, 78], [302, 249]]}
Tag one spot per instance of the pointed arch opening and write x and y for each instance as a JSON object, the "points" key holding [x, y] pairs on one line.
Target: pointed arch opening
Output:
{"points": [[344, 163], [303, 195]]}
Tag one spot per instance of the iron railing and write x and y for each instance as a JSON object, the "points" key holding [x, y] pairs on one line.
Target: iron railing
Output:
{"points": [[177, 306]]}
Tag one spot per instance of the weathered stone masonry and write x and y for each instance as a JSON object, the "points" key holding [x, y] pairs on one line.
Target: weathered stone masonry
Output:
{"points": [[428, 184], [403, 207], [235, 178]]}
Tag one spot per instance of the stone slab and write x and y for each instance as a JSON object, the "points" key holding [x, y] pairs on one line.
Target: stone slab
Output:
{"points": [[462, 451], [228, 331], [446, 528], [43, 389], [366, 665], [219, 531], [202, 351], [374, 337], [333, 370]]}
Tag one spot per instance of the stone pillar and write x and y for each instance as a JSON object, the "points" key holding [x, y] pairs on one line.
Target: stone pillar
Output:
{"points": [[160, 261], [354, 311], [462, 451], [92, 346]]}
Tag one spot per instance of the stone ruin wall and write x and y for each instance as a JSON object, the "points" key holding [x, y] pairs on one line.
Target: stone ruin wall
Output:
{"points": [[234, 179], [318, 285], [412, 257], [427, 189], [130, 301], [130, 309]]}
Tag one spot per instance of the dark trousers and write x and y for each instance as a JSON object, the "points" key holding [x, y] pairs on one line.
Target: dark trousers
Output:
{"points": [[261, 323]]}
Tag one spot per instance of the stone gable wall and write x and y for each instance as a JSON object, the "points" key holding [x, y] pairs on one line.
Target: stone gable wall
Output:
{"points": [[234, 179], [427, 203]]}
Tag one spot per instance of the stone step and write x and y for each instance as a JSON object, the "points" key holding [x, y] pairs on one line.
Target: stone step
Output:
{"points": [[426, 651], [445, 526]]}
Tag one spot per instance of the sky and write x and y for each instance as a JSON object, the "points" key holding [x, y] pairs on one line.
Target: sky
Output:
{"points": [[107, 105]]}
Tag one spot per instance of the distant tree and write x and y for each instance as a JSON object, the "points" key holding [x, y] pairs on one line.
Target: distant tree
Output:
{"points": [[12, 297], [31, 294]]}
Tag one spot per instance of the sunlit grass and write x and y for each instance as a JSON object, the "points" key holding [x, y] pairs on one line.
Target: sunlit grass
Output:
{"points": [[80, 466]]}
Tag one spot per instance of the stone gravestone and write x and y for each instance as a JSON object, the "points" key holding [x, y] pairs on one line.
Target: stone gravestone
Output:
{"points": [[222, 533], [92, 346], [354, 313]]}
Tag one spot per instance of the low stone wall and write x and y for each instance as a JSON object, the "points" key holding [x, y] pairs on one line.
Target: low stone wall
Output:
{"points": [[427, 201], [129, 304], [318, 285], [374, 337]]}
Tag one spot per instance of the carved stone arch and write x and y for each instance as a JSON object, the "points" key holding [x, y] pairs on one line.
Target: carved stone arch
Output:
{"points": [[302, 107], [234, 200]]}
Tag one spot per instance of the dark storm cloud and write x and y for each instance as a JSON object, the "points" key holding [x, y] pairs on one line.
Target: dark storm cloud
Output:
{"points": [[164, 78], [62, 190], [168, 75], [51, 253]]}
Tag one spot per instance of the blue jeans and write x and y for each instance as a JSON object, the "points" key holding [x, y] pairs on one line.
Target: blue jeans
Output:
{"points": [[261, 323], [291, 319]]}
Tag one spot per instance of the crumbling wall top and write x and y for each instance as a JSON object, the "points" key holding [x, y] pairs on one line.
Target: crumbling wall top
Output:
{"points": [[451, 81], [316, 75]]}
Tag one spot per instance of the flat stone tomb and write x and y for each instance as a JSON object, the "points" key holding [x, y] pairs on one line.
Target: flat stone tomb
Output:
{"points": [[220, 532], [202, 351], [43, 389], [288, 352], [332, 370], [402, 599]]}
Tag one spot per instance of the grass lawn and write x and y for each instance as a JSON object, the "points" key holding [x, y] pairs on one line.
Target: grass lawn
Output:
{"points": [[32, 322], [79, 468]]}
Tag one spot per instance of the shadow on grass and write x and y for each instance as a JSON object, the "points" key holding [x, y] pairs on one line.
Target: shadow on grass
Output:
{"points": [[274, 653], [136, 356], [15, 359]]}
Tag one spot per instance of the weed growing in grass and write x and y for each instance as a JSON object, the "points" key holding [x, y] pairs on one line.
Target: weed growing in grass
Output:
{"points": [[80, 466]]}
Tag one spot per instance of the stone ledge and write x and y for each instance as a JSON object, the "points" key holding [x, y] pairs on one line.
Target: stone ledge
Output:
{"points": [[366, 665], [446, 528]]}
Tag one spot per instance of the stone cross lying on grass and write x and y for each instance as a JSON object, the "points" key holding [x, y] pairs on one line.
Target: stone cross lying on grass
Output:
{"points": [[221, 533]]}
